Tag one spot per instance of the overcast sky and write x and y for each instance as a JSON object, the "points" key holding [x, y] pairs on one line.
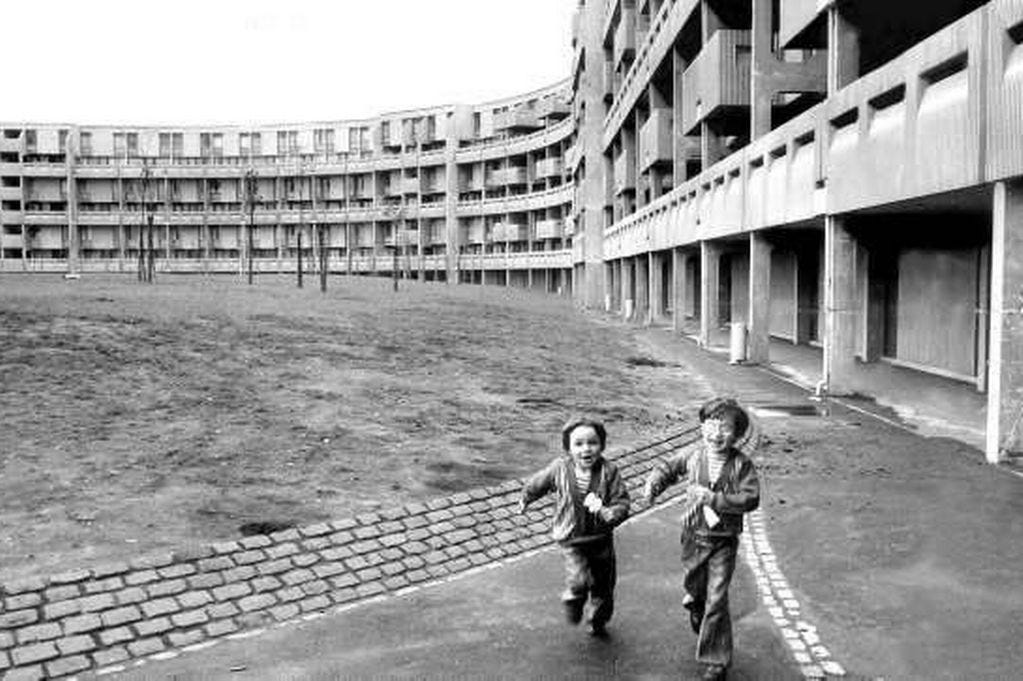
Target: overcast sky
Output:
{"points": [[265, 61]]}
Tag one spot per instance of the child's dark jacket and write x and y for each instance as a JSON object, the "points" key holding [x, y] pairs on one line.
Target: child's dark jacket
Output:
{"points": [[572, 523], [736, 491]]}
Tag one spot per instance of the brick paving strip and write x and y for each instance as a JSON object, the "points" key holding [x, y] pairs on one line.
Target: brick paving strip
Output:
{"points": [[160, 604]]}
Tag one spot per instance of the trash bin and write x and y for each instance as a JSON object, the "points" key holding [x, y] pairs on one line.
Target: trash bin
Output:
{"points": [[737, 344]]}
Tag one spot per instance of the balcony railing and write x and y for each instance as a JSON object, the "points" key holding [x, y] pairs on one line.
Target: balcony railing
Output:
{"points": [[550, 229]]}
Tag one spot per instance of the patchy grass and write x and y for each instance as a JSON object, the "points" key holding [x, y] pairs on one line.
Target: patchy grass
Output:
{"points": [[138, 417]]}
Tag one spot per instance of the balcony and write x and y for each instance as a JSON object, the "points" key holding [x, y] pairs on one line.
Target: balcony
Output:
{"points": [[554, 108], [550, 229], [549, 167], [506, 176], [718, 79], [410, 185], [10, 194], [509, 231], [520, 119], [8, 144], [625, 172], [655, 140], [625, 37], [11, 240]]}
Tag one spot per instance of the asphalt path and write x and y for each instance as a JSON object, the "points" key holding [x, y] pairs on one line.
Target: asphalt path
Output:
{"points": [[506, 622]]}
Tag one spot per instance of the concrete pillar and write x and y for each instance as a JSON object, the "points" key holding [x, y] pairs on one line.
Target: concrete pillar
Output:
{"points": [[628, 288], [761, 93], [678, 288], [843, 50], [655, 310], [759, 315], [642, 289], [840, 305], [618, 285], [1005, 359], [710, 264], [678, 66], [609, 286]]}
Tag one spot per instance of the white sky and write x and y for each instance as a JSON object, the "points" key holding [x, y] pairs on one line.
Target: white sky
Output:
{"points": [[266, 61]]}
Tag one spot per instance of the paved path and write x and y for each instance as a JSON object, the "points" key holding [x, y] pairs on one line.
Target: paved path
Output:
{"points": [[505, 623]]}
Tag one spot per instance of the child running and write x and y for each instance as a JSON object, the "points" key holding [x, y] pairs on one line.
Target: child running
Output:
{"points": [[722, 484], [590, 500]]}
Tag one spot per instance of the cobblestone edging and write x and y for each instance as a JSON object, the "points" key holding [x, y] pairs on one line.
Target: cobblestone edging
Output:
{"points": [[103, 616], [813, 658]]}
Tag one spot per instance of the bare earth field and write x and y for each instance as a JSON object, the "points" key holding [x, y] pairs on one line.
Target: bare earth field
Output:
{"points": [[143, 417]]}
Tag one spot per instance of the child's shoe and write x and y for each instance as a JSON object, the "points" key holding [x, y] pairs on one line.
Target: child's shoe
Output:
{"points": [[574, 611], [714, 673]]}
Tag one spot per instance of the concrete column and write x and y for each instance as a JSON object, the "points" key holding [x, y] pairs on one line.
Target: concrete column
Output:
{"points": [[678, 288], [628, 288], [1005, 359], [618, 291], [712, 146], [609, 286], [678, 66], [843, 50], [654, 287], [840, 305], [759, 315], [760, 91], [642, 289], [710, 264]]}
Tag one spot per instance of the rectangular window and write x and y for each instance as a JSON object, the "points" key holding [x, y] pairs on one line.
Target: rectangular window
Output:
{"points": [[178, 144], [133, 144], [323, 141], [62, 141], [30, 141], [119, 147], [85, 143], [165, 145], [244, 144], [211, 145], [256, 142]]}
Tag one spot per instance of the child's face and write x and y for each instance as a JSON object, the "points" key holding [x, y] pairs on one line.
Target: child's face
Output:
{"points": [[584, 446], [718, 434]]}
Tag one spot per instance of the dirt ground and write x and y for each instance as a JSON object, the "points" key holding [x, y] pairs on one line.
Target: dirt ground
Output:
{"points": [[142, 417]]}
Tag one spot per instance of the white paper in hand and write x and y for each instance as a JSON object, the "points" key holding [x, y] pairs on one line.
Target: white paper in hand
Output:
{"points": [[711, 516]]}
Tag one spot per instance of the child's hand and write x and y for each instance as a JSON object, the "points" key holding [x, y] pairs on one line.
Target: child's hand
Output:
{"points": [[522, 505], [593, 503], [701, 494], [648, 493]]}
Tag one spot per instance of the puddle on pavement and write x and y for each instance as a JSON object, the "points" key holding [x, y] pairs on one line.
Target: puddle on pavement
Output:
{"points": [[265, 527], [783, 410]]}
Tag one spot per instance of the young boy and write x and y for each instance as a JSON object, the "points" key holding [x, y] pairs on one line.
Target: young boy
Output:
{"points": [[722, 485], [591, 499]]}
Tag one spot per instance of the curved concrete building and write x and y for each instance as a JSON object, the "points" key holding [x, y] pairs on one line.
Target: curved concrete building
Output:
{"points": [[841, 180]]}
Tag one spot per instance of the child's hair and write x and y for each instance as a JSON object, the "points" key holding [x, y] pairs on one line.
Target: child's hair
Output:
{"points": [[572, 424], [726, 408]]}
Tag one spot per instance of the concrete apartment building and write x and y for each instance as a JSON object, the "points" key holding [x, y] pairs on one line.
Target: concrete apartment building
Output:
{"points": [[838, 176]]}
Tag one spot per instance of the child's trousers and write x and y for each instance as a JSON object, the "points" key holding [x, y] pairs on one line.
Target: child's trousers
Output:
{"points": [[590, 570], [707, 567]]}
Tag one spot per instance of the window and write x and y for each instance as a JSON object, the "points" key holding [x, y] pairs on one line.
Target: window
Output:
{"points": [[287, 142], [249, 144], [133, 144], [119, 147], [62, 141], [30, 141], [211, 145], [172, 144], [85, 143], [323, 141]]}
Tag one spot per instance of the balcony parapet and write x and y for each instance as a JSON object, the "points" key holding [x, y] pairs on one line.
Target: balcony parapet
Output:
{"points": [[719, 78]]}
